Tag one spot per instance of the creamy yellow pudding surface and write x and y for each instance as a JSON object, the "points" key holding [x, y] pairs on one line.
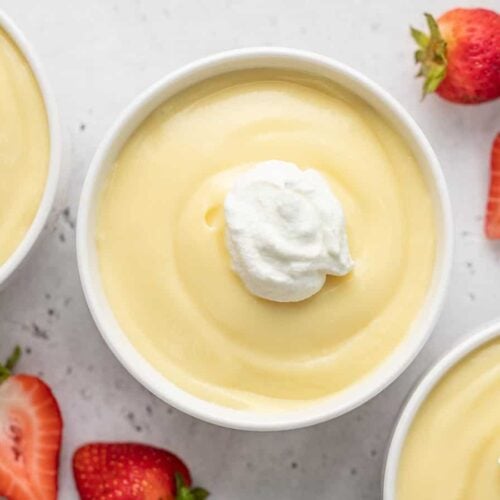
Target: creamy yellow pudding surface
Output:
{"points": [[452, 450], [24, 146], [166, 270]]}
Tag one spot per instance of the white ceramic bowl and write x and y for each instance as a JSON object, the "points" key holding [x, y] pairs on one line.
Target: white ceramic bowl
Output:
{"points": [[277, 58], [419, 395], [17, 257]]}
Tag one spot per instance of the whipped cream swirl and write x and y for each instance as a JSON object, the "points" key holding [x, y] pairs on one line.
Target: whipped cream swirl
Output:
{"points": [[285, 231]]}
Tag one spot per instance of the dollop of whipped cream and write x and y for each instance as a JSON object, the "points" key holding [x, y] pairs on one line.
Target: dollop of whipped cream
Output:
{"points": [[285, 231]]}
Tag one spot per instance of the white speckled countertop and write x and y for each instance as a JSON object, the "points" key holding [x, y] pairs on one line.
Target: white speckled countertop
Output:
{"points": [[98, 55]]}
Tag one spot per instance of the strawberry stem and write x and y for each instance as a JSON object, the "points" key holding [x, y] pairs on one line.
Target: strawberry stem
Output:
{"points": [[7, 368], [183, 492], [431, 55]]}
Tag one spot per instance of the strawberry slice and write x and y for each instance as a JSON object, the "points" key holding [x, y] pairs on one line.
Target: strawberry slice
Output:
{"points": [[30, 436], [492, 225], [132, 471]]}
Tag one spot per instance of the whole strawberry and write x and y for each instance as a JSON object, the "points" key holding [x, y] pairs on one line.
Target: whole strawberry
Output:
{"points": [[132, 471], [460, 58]]}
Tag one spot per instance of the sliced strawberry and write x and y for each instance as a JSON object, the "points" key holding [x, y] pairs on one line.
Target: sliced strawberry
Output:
{"points": [[492, 225], [131, 471], [30, 437]]}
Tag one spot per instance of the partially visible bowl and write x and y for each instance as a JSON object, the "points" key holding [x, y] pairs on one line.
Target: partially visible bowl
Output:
{"points": [[278, 58], [15, 260], [419, 396]]}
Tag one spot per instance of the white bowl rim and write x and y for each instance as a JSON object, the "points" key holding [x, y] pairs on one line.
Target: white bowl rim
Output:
{"points": [[142, 370], [418, 395], [53, 172]]}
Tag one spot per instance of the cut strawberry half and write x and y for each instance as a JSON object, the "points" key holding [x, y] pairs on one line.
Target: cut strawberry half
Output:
{"points": [[492, 223], [30, 437]]}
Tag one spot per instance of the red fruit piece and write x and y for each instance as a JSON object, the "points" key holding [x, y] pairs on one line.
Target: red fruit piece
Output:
{"points": [[30, 437], [131, 471], [492, 223], [460, 59]]}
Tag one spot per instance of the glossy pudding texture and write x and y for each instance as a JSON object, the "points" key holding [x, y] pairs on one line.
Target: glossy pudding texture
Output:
{"points": [[166, 269], [24, 146], [452, 451]]}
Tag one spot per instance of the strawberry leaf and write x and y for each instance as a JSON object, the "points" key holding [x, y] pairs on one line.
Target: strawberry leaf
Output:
{"points": [[199, 493], [433, 79], [433, 26], [185, 493], [420, 37], [4, 374], [13, 358], [419, 56], [6, 369]]}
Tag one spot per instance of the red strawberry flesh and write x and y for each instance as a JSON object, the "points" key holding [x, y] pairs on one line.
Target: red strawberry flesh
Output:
{"points": [[30, 439], [473, 47], [492, 223], [127, 471]]}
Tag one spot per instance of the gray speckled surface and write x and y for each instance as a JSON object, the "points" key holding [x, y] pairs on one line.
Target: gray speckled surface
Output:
{"points": [[99, 55]]}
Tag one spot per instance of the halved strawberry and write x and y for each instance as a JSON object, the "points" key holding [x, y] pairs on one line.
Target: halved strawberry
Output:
{"points": [[132, 471], [30, 436], [492, 223]]}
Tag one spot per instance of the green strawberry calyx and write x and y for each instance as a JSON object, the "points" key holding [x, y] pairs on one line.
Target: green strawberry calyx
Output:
{"points": [[431, 55], [184, 492], [9, 365]]}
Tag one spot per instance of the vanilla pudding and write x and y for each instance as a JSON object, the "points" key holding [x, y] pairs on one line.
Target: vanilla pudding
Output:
{"points": [[162, 242], [24, 146], [452, 450]]}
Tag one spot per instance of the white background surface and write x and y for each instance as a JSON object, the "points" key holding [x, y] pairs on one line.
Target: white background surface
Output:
{"points": [[98, 55]]}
